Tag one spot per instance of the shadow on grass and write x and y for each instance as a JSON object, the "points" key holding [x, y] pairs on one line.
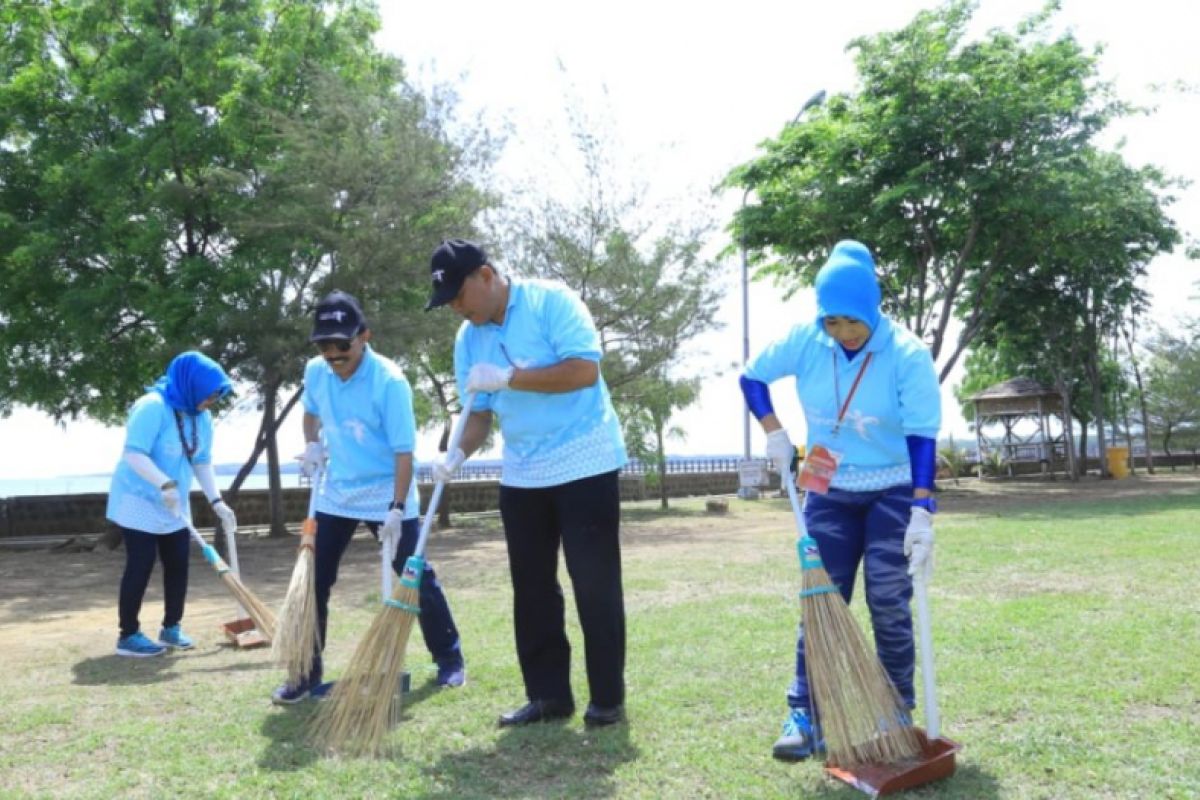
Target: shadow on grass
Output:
{"points": [[288, 729], [114, 670], [546, 760]]}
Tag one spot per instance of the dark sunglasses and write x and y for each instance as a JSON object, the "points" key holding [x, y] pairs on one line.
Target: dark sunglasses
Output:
{"points": [[341, 345]]}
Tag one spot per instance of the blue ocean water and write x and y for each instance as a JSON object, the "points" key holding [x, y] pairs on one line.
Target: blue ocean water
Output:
{"points": [[99, 482]]}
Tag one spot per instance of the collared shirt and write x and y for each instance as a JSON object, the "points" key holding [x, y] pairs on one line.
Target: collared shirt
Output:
{"points": [[549, 438], [365, 422], [898, 396], [133, 501]]}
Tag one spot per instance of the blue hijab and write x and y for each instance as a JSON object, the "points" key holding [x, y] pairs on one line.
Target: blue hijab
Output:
{"points": [[190, 379], [847, 287]]}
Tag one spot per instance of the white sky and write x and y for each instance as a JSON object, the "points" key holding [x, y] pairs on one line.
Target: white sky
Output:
{"points": [[690, 90]]}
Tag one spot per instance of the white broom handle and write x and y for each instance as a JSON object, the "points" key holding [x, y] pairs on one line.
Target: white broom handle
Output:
{"points": [[386, 551], [789, 481], [456, 434], [312, 492], [933, 722]]}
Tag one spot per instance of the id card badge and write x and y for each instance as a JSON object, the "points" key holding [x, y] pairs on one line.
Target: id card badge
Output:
{"points": [[820, 465]]}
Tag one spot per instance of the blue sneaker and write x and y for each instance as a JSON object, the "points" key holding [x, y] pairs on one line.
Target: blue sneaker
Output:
{"points": [[321, 690], [175, 637], [452, 676], [800, 738], [138, 645]]}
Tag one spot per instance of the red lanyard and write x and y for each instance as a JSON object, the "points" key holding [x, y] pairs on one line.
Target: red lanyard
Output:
{"points": [[838, 392]]}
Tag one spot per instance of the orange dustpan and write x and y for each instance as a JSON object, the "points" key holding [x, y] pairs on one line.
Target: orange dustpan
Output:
{"points": [[937, 752]]}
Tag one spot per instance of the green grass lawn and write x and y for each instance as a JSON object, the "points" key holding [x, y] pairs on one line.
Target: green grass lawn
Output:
{"points": [[1065, 632]]}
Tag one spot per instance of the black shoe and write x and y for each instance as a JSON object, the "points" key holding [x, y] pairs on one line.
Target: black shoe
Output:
{"points": [[537, 711], [599, 716]]}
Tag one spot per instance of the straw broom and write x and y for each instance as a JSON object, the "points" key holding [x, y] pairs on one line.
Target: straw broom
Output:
{"points": [[859, 711], [366, 702], [264, 620], [296, 638]]}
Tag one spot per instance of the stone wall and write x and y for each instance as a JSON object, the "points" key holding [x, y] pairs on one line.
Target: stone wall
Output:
{"points": [[74, 514]]}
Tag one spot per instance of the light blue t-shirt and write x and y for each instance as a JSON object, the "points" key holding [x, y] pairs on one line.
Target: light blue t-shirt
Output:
{"points": [[365, 422], [134, 502], [549, 439], [898, 396]]}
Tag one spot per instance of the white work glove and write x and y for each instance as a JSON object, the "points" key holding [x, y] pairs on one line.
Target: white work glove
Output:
{"points": [[170, 499], [918, 544], [488, 378], [447, 464], [313, 459], [225, 515], [780, 450], [392, 526]]}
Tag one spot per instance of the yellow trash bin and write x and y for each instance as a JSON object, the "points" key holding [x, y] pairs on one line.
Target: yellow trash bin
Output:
{"points": [[1118, 462]]}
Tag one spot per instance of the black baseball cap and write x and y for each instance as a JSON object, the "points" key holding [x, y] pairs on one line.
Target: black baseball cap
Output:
{"points": [[452, 262], [338, 316]]}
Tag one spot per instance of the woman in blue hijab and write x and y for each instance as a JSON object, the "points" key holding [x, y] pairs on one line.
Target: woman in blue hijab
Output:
{"points": [[872, 408], [168, 439]]}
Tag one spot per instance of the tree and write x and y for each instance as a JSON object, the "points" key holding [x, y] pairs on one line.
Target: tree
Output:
{"points": [[1173, 382], [937, 162], [647, 285], [646, 421], [178, 173]]}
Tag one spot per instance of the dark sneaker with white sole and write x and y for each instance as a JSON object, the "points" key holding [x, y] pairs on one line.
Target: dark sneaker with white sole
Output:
{"points": [[290, 694]]}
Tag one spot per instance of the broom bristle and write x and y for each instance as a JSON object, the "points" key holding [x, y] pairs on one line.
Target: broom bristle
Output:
{"points": [[862, 717], [296, 633], [263, 617], [365, 701]]}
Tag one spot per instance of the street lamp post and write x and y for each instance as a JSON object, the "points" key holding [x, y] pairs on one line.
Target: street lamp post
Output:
{"points": [[746, 491]]}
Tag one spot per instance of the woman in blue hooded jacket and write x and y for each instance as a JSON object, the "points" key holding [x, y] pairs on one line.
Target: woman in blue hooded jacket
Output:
{"points": [[872, 405], [168, 439]]}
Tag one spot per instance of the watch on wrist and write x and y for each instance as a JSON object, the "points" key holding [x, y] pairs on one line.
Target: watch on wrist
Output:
{"points": [[395, 504], [169, 485], [927, 503], [216, 500]]}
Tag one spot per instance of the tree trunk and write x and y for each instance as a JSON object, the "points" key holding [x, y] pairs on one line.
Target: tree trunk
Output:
{"points": [[1083, 454], [1092, 365], [1137, 376], [1064, 395], [260, 444], [275, 492], [662, 462]]}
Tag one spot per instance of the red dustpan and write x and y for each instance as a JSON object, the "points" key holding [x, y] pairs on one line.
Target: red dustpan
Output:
{"points": [[937, 752]]}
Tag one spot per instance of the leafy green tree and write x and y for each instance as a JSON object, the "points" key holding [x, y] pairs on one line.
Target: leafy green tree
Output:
{"points": [[180, 173], [939, 161], [651, 401], [1173, 383]]}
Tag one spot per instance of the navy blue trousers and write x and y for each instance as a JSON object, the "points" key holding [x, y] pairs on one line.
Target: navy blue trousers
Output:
{"points": [[141, 550], [868, 528], [437, 624], [583, 516]]}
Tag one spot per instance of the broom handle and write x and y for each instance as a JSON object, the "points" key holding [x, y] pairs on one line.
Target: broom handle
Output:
{"points": [[933, 722], [385, 563], [231, 547], [456, 434], [789, 481]]}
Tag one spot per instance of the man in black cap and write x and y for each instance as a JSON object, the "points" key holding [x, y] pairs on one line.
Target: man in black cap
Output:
{"points": [[360, 404], [530, 354]]}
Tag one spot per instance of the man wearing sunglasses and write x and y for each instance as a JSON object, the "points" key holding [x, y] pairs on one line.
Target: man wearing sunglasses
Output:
{"points": [[360, 430]]}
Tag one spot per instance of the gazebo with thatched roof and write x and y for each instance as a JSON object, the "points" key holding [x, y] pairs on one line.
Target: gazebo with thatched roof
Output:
{"points": [[1014, 418]]}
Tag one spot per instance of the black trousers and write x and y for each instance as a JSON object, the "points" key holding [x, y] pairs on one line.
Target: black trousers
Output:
{"points": [[584, 516], [437, 623], [141, 550]]}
